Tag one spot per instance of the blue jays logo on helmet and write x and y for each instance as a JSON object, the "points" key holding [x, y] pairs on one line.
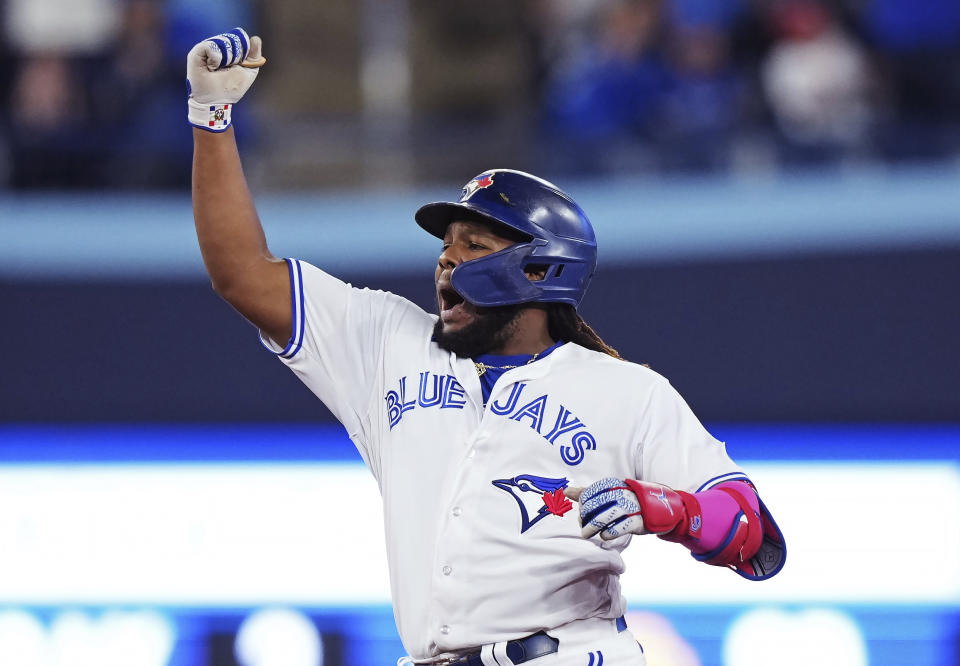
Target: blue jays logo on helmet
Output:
{"points": [[537, 497], [479, 182], [557, 238]]}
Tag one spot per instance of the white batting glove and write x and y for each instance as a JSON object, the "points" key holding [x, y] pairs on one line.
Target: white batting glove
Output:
{"points": [[610, 508], [615, 507], [219, 71]]}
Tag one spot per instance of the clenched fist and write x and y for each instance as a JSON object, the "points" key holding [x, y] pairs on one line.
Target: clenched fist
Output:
{"points": [[220, 70]]}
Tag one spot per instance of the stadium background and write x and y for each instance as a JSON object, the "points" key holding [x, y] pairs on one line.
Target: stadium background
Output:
{"points": [[774, 187]]}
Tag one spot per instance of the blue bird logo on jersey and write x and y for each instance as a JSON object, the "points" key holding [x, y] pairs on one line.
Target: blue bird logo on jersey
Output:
{"points": [[537, 497]]}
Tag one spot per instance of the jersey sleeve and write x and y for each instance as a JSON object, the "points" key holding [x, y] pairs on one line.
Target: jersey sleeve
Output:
{"points": [[338, 339], [675, 449]]}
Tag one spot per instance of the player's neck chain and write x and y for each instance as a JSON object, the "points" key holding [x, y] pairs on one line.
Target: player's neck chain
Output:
{"points": [[483, 367]]}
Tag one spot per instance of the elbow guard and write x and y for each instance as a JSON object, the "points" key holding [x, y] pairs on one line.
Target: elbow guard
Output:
{"points": [[754, 546]]}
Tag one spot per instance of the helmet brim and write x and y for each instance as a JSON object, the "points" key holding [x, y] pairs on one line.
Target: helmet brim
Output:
{"points": [[434, 218]]}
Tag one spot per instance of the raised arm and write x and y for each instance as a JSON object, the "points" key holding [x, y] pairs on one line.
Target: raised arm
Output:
{"points": [[241, 267]]}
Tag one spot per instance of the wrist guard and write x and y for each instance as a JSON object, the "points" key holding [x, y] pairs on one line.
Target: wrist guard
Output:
{"points": [[673, 515]]}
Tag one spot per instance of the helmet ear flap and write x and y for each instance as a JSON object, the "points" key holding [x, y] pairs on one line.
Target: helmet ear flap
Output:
{"points": [[497, 279]]}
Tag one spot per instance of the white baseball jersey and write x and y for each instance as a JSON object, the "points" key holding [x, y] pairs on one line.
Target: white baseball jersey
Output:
{"points": [[482, 545]]}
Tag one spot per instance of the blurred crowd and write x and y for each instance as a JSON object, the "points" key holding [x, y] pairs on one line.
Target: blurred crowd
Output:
{"points": [[716, 84], [93, 93]]}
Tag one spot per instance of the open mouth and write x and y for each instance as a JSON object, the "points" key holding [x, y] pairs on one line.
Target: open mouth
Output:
{"points": [[452, 304], [449, 299]]}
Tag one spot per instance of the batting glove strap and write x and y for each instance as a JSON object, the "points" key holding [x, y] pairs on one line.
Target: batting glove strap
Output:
{"points": [[742, 542], [210, 117], [689, 527], [673, 515]]}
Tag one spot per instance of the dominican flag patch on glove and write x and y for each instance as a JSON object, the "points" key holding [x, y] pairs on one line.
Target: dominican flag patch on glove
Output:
{"points": [[219, 116]]}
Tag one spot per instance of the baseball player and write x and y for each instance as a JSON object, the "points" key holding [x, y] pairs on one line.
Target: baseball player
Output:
{"points": [[487, 425]]}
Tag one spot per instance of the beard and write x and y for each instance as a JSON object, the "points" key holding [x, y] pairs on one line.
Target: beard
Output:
{"points": [[489, 330]]}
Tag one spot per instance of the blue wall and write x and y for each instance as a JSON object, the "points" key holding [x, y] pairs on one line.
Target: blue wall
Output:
{"points": [[825, 337]]}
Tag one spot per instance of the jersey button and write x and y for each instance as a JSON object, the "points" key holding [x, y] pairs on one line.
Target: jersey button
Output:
{"points": [[456, 511], [447, 570], [444, 629]]}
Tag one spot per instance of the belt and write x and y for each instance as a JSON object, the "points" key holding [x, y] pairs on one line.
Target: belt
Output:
{"points": [[522, 650]]}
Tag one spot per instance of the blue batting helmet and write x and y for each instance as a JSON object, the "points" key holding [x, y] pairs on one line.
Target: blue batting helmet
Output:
{"points": [[556, 235]]}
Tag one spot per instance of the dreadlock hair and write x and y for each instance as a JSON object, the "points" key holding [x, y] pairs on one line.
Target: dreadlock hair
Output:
{"points": [[564, 323]]}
